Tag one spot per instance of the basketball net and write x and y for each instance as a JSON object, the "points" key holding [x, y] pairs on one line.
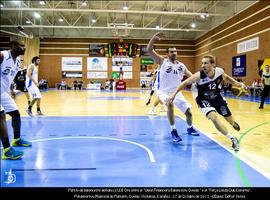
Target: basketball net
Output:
{"points": [[120, 30]]}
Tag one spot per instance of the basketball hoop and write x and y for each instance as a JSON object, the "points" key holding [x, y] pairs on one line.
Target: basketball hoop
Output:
{"points": [[120, 30]]}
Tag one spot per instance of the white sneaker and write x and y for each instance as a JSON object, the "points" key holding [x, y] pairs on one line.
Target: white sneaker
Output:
{"points": [[151, 112]]}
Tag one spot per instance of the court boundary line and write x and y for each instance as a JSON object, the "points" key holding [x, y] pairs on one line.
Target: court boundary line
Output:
{"points": [[231, 151]]}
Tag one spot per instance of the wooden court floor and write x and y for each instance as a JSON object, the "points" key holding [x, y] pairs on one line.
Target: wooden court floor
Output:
{"points": [[255, 124]]}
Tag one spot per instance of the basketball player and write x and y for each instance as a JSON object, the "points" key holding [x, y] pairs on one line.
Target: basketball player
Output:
{"points": [[32, 86], [158, 101], [10, 62], [209, 83], [152, 81], [170, 75], [266, 83], [20, 79]]}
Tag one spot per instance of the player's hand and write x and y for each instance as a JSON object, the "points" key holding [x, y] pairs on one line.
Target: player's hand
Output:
{"points": [[170, 99], [13, 94], [159, 36], [244, 86]]}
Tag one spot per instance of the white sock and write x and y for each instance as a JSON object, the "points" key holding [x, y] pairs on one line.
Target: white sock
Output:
{"points": [[189, 126], [153, 108], [230, 136], [173, 127]]}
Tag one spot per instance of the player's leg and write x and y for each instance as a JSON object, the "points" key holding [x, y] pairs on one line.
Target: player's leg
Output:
{"points": [[35, 96], [12, 110], [222, 108], [152, 111], [27, 95], [150, 96], [185, 107], [170, 114], [232, 121], [211, 113], [221, 128], [8, 151], [38, 107]]}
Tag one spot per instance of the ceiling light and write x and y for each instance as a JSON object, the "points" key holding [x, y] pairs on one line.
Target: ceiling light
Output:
{"points": [[125, 8], [28, 22], [94, 20], [84, 3], [42, 2], [37, 15], [60, 20], [202, 16], [1, 5], [157, 27], [16, 2], [193, 25]]}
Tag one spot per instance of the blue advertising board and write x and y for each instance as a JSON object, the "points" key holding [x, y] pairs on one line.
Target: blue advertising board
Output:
{"points": [[239, 66]]}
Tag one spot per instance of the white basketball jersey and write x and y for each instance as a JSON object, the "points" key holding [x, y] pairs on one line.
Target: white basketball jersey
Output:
{"points": [[34, 75], [169, 76], [9, 69]]}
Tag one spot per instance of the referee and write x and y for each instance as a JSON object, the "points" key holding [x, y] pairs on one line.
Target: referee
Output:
{"points": [[266, 82]]}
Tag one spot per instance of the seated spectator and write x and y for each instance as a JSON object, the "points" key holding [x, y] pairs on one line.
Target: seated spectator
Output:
{"points": [[43, 84], [254, 83], [75, 84], [63, 85], [80, 84], [259, 83], [143, 85], [107, 84]]}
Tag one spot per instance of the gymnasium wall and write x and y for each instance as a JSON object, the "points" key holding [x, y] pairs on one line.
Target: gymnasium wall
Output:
{"points": [[53, 49], [222, 41]]}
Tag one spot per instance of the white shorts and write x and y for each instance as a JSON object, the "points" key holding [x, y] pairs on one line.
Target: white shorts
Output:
{"points": [[179, 100], [7, 103], [34, 92]]}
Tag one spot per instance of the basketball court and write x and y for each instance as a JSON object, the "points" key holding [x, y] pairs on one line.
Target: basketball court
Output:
{"points": [[108, 139]]}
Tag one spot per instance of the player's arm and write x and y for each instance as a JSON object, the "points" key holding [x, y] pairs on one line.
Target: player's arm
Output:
{"points": [[188, 73], [29, 74], [150, 50], [192, 79], [229, 79]]}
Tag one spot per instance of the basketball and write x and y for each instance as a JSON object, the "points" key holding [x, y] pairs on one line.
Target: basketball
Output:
{"points": [[239, 91]]}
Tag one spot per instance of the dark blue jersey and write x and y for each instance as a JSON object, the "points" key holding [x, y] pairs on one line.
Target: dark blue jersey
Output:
{"points": [[20, 78], [210, 88]]}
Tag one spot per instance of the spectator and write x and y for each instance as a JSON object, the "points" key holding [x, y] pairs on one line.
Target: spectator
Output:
{"points": [[107, 84], [63, 85], [43, 84], [75, 84], [80, 84]]}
